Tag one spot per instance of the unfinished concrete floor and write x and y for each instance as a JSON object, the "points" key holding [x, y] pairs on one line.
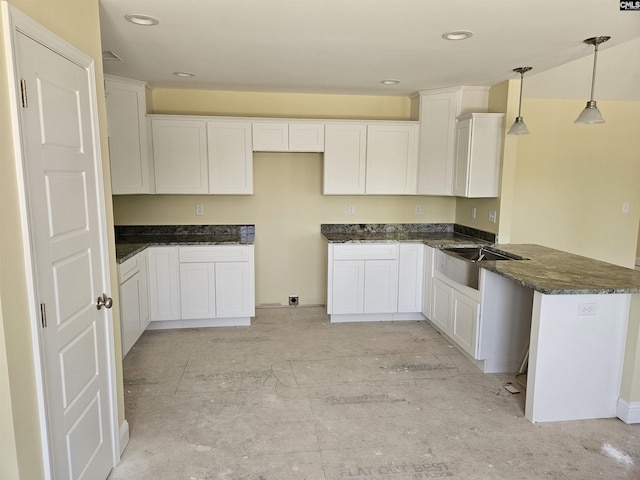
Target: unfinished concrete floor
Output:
{"points": [[296, 397]]}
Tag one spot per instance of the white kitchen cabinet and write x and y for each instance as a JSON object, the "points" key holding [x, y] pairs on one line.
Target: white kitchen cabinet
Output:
{"points": [[164, 284], [478, 154], [464, 325], [442, 300], [271, 136], [344, 159], [410, 277], [127, 103], [134, 300], [180, 156], [230, 158], [427, 281], [437, 111], [367, 282], [217, 282], [392, 159]]}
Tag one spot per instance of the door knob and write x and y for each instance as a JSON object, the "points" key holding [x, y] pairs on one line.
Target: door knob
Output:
{"points": [[104, 301]]}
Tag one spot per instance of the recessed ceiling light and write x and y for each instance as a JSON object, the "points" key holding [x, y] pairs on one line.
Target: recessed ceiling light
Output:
{"points": [[184, 74], [390, 82], [457, 35], [139, 19]]}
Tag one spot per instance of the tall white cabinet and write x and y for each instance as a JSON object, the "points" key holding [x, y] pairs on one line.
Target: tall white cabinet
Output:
{"points": [[128, 101], [437, 111]]}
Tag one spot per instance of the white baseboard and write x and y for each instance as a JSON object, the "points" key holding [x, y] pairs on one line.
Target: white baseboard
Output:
{"points": [[375, 317], [200, 323], [638, 261], [124, 436], [628, 412]]}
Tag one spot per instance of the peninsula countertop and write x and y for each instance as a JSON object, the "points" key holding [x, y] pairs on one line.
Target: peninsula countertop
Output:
{"points": [[546, 270], [131, 240]]}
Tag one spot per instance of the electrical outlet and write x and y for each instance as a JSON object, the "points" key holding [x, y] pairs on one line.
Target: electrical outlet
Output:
{"points": [[351, 209], [418, 209], [586, 309], [199, 210], [492, 216], [625, 208], [293, 300], [474, 213]]}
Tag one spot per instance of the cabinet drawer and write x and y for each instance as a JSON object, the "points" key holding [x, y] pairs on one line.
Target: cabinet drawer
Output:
{"points": [[377, 251], [129, 268], [214, 253]]}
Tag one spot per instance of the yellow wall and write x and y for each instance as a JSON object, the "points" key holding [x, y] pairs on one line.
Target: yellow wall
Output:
{"points": [[572, 180], [77, 21]]}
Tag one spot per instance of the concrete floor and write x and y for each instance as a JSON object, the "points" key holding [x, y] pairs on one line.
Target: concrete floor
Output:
{"points": [[295, 397]]}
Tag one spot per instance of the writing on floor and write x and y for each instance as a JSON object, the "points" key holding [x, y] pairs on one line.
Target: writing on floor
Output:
{"points": [[363, 399], [404, 471]]}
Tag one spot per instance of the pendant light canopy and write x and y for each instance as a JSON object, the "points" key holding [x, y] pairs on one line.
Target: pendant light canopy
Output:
{"points": [[591, 114], [519, 127]]}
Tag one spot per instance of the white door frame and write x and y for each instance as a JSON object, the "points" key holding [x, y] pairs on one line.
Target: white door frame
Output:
{"points": [[14, 22]]}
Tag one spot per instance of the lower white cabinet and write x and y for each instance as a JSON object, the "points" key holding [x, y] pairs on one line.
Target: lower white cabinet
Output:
{"points": [[194, 286], [491, 324], [374, 281], [134, 302]]}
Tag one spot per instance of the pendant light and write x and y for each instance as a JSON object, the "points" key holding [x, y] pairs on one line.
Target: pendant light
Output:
{"points": [[591, 114], [519, 127]]}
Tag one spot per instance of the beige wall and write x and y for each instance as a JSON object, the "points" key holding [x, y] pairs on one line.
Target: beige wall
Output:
{"points": [[76, 21]]}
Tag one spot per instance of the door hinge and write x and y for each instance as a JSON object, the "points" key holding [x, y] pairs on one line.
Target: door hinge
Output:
{"points": [[23, 93], [43, 315]]}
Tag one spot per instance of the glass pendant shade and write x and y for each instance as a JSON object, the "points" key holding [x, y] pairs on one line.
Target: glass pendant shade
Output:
{"points": [[591, 114], [519, 127]]}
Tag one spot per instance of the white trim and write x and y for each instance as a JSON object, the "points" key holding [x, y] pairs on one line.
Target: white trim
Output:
{"points": [[628, 412], [124, 436], [200, 323], [376, 317], [14, 22], [638, 261]]}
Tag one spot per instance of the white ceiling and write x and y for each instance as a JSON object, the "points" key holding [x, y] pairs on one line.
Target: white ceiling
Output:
{"points": [[349, 46]]}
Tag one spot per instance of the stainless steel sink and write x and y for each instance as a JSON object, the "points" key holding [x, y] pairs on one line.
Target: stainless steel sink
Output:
{"points": [[462, 264], [479, 254]]}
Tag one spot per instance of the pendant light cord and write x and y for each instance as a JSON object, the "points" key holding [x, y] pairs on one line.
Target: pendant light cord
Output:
{"points": [[593, 76]]}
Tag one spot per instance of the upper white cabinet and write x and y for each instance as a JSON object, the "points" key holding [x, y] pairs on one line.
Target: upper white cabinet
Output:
{"points": [[392, 159], [127, 104], [180, 156], [288, 137], [374, 159], [230, 158], [478, 153], [437, 111], [344, 159]]}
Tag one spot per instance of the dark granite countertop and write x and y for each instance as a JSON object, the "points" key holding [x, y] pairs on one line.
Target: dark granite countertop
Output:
{"points": [[131, 240], [546, 270]]}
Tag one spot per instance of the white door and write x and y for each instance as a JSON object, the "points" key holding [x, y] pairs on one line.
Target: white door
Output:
{"points": [[197, 290], [381, 286], [65, 219], [347, 288], [233, 289]]}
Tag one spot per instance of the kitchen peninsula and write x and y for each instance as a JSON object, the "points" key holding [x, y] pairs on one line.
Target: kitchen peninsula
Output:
{"points": [[579, 309]]}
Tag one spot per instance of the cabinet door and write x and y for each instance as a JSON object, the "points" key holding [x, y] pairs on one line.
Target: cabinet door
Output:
{"points": [[465, 322], [392, 159], [128, 149], [381, 286], [230, 158], [270, 137], [442, 298], [197, 291], [437, 143], [345, 149], [164, 285], [180, 156], [410, 277], [347, 288], [427, 304], [233, 289], [143, 291], [130, 321], [306, 137], [463, 152]]}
